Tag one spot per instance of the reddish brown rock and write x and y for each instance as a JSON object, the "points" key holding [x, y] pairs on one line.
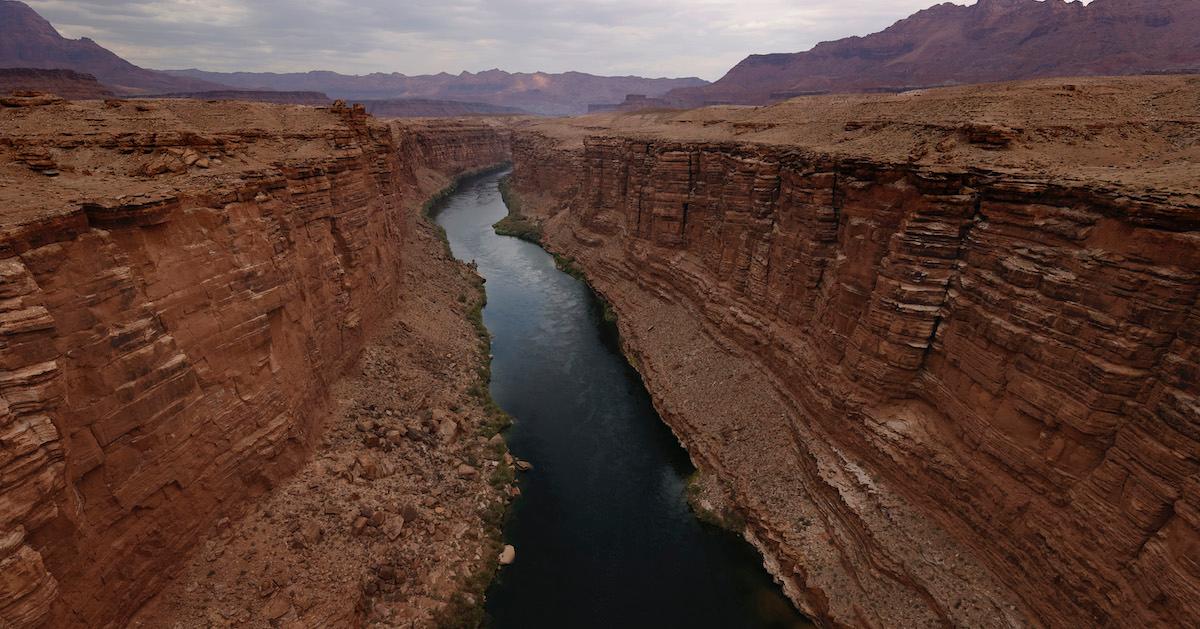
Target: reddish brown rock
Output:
{"points": [[950, 387], [170, 336]]}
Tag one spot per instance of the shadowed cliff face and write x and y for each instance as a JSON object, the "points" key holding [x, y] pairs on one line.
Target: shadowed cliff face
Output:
{"points": [[939, 392], [180, 283]]}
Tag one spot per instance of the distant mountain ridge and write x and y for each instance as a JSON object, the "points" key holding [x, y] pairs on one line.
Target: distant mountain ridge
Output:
{"points": [[257, 96], [27, 40], [537, 92], [992, 40], [426, 108]]}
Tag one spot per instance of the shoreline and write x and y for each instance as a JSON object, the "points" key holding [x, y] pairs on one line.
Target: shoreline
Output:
{"points": [[349, 463]]}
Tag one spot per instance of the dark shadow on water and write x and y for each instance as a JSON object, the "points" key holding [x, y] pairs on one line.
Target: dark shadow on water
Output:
{"points": [[603, 532]]}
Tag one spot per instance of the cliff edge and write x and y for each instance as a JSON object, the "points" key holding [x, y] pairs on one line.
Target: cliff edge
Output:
{"points": [[182, 285], [940, 350]]}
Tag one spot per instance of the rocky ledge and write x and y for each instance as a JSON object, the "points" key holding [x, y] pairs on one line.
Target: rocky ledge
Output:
{"points": [[182, 284], [940, 351]]}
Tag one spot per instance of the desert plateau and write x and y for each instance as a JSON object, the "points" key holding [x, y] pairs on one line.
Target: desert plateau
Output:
{"points": [[893, 330]]}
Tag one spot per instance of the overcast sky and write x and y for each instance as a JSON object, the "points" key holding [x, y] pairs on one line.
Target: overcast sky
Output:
{"points": [[645, 37]]}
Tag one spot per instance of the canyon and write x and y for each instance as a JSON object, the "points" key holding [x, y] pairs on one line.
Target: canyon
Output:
{"points": [[936, 354], [940, 351], [184, 284]]}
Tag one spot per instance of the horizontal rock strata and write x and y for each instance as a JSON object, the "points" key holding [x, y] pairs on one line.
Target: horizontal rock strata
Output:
{"points": [[63, 83], [180, 284], [939, 393]]}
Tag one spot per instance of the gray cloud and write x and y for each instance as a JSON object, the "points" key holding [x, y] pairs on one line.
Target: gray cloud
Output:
{"points": [[645, 37]]}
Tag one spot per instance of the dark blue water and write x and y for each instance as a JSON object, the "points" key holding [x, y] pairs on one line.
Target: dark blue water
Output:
{"points": [[603, 532]]}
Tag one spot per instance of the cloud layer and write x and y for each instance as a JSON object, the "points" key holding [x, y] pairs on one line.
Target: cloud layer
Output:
{"points": [[644, 37]]}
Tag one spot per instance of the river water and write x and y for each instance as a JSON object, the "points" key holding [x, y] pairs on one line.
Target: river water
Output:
{"points": [[603, 532]]}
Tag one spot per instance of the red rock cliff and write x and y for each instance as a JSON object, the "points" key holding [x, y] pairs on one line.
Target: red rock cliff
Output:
{"points": [[940, 353], [180, 283]]}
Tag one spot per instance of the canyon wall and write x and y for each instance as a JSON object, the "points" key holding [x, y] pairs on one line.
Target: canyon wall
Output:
{"points": [[938, 393], [181, 284]]}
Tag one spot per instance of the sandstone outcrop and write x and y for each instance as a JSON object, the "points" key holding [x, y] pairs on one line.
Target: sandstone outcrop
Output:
{"points": [[180, 285], [941, 351], [379, 527]]}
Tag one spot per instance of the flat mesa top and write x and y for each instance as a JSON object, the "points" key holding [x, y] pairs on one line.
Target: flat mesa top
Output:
{"points": [[56, 155], [1139, 134], [1135, 132]]}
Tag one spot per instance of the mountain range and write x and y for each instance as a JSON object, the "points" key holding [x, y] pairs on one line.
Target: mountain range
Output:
{"points": [[992, 40], [537, 92], [27, 40], [947, 44]]}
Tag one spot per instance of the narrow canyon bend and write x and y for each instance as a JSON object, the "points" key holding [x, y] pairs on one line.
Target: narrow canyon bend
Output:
{"points": [[935, 354], [603, 533]]}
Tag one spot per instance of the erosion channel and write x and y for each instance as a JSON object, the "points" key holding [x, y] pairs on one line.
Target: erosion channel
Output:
{"points": [[603, 532]]}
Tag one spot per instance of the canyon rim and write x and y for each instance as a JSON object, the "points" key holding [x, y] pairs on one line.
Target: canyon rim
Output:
{"points": [[931, 344]]}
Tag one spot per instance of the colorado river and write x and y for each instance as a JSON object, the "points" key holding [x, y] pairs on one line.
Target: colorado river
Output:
{"points": [[603, 532]]}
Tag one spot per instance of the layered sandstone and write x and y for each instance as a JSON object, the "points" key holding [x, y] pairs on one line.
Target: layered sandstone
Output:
{"points": [[941, 350], [182, 284]]}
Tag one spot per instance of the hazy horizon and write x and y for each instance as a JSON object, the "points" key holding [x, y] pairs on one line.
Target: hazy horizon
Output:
{"points": [[671, 38]]}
